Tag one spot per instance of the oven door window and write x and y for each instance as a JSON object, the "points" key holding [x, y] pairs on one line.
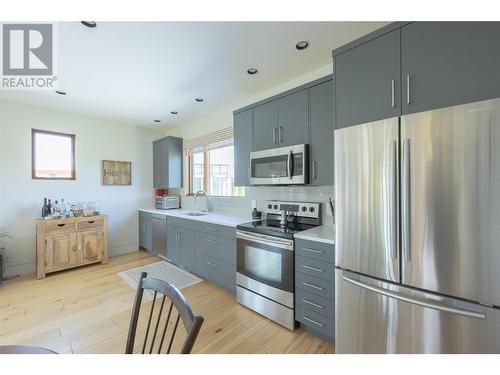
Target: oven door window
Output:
{"points": [[266, 264]]}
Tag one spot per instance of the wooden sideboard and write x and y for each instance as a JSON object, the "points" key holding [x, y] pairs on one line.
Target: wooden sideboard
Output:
{"points": [[70, 242]]}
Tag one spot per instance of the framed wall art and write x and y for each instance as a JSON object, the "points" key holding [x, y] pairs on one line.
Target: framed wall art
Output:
{"points": [[116, 172]]}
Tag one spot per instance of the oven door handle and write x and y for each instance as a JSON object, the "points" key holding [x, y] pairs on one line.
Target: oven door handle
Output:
{"points": [[265, 240]]}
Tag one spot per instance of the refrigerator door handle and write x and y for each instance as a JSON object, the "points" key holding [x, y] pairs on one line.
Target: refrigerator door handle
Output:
{"points": [[393, 184], [406, 190], [415, 301]]}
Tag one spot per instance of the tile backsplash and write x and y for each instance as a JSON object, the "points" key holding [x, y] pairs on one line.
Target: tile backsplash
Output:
{"points": [[242, 206]]}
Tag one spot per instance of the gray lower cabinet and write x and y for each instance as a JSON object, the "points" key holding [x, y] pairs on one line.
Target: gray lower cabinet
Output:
{"points": [[159, 234], [321, 134], [145, 231], [216, 255], [449, 63], [167, 163], [242, 147], [367, 81], [172, 254], [315, 288]]}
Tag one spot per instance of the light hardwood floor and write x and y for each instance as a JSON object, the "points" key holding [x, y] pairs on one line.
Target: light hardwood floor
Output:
{"points": [[87, 310]]}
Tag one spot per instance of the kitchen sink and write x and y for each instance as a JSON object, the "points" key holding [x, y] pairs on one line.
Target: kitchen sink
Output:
{"points": [[195, 213]]}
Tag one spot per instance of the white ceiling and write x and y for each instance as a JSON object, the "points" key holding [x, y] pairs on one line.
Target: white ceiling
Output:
{"points": [[135, 72]]}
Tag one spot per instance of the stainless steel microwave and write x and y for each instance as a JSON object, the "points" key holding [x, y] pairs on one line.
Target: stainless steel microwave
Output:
{"points": [[280, 166]]}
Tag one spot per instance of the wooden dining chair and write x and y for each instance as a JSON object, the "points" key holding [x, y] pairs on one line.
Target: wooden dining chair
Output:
{"points": [[192, 323]]}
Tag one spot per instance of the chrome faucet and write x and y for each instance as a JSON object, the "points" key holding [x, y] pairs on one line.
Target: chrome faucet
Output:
{"points": [[202, 192]]}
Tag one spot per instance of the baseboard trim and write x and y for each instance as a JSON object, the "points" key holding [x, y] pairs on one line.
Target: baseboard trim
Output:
{"points": [[30, 267]]}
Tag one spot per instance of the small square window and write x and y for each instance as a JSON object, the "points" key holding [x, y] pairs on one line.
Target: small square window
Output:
{"points": [[52, 155]]}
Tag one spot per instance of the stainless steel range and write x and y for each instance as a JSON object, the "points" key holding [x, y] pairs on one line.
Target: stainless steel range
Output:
{"points": [[265, 259]]}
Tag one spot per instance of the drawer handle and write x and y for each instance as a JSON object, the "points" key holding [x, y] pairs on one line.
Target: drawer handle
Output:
{"points": [[212, 241], [212, 229], [312, 286], [61, 225], [312, 321], [212, 264], [312, 303], [313, 251], [312, 268], [91, 222]]}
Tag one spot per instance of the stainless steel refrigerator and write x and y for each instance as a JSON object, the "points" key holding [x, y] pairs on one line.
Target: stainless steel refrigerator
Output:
{"points": [[418, 233]]}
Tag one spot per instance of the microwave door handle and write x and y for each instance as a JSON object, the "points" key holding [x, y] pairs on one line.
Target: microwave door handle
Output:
{"points": [[289, 165]]}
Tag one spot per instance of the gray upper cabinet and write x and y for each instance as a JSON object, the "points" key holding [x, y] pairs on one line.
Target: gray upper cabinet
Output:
{"points": [[293, 119], [242, 147], [321, 134], [167, 163], [265, 126], [449, 63], [367, 81]]}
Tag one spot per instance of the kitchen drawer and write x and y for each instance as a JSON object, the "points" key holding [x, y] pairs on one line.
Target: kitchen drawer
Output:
{"points": [[217, 247], [314, 267], [159, 217], [217, 230], [315, 285], [54, 226], [315, 321], [89, 224], [313, 302], [317, 250], [216, 271], [179, 222]]}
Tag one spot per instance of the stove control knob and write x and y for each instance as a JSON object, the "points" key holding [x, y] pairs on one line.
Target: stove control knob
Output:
{"points": [[270, 206], [275, 206], [304, 208], [311, 209]]}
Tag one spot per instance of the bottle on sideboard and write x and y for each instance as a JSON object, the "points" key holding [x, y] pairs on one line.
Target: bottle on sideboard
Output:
{"points": [[44, 208]]}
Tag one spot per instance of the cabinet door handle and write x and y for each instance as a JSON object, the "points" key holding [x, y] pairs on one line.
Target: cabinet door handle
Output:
{"points": [[312, 268], [313, 251], [212, 264], [312, 286], [407, 89], [280, 137], [212, 241], [212, 229], [91, 222], [312, 303], [393, 93], [315, 167], [274, 135], [61, 225], [79, 247], [312, 321]]}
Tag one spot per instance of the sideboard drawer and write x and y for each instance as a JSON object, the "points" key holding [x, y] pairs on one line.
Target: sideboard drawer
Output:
{"points": [[54, 226], [89, 224]]}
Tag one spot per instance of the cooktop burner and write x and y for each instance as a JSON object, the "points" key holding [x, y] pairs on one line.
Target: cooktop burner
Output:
{"points": [[272, 228]]}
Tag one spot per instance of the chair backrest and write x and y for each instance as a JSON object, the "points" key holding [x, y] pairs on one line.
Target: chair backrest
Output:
{"points": [[192, 323]]}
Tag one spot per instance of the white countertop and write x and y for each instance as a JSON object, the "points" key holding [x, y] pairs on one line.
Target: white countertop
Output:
{"points": [[210, 217], [323, 233]]}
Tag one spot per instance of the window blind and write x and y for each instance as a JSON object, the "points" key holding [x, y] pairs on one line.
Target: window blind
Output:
{"points": [[220, 138]]}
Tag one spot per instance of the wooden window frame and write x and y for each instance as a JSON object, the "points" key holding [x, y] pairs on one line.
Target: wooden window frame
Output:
{"points": [[33, 155], [190, 172]]}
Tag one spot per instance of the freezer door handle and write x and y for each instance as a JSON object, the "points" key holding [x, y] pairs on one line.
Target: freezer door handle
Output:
{"points": [[415, 301], [394, 195]]}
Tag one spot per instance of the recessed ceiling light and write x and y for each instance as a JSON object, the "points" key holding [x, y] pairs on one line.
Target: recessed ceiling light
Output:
{"points": [[60, 92], [199, 100], [303, 44], [157, 120], [174, 112], [252, 71], [90, 24]]}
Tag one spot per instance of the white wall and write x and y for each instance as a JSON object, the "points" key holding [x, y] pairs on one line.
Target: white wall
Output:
{"points": [[223, 118], [21, 198]]}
